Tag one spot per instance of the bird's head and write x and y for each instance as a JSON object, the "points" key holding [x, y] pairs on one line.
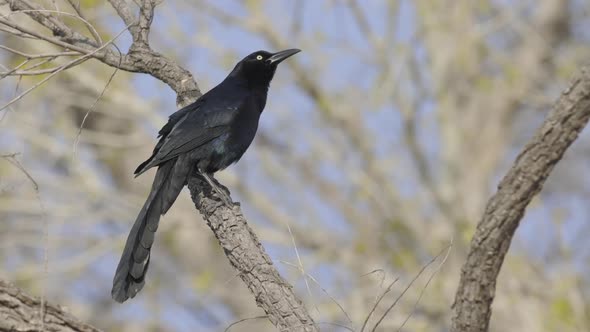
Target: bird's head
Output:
{"points": [[258, 68]]}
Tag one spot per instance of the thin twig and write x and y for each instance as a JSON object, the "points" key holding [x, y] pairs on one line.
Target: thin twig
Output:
{"points": [[17, 33], [243, 320], [376, 271], [9, 155], [13, 70], [10, 109], [37, 56], [387, 290], [41, 63], [89, 25], [360, 18], [408, 287], [11, 159], [307, 275], [78, 10], [64, 67], [336, 324], [36, 35], [301, 269], [426, 285], [77, 138], [55, 24], [28, 71]]}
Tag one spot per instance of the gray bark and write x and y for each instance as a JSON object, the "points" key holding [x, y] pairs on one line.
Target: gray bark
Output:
{"points": [[21, 312], [491, 241], [246, 254]]}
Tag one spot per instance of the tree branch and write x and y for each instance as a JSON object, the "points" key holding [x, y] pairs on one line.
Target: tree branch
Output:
{"points": [[246, 254], [57, 27], [139, 60], [124, 13], [491, 241], [141, 35], [272, 293], [20, 312]]}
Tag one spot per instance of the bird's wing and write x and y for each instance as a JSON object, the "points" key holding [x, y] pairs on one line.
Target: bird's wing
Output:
{"points": [[190, 128]]}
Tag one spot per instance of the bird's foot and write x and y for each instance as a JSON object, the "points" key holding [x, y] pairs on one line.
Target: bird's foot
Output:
{"points": [[224, 197]]}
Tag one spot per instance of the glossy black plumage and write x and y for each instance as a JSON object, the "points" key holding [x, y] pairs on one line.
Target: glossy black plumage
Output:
{"points": [[210, 134]]}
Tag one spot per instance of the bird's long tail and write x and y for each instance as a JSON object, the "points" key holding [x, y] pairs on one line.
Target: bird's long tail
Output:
{"points": [[130, 275]]}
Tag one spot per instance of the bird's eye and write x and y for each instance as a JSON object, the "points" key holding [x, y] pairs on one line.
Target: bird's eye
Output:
{"points": [[259, 57]]}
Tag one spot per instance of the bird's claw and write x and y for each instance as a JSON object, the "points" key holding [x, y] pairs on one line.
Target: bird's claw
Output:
{"points": [[222, 195]]}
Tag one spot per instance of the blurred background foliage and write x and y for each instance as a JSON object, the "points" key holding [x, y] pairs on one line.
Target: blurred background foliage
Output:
{"points": [[380, 145]]}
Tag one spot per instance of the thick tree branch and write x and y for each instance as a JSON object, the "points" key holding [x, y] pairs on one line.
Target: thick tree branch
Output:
{"points": [[246, 254], [472, 307], [20, 312]]}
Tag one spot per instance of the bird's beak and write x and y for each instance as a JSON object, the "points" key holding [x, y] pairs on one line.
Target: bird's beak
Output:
{"points": [[282, 55]]}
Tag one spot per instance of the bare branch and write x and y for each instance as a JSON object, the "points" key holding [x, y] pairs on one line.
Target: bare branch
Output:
{"points": [[307, 275], [38, 56], [91, 28], [13, 70], [90, 109], [57, 27], [146, 61], [19, 312], [141, 35], [338, 325], [360, 18], [379, 299], [426, 285], [28, 33], [125, 13], [11, 158], [28, 72], [16, 33], [411, 283], [61, 68], [242, 320], [89, 25], [493, 235], [245, 253]]}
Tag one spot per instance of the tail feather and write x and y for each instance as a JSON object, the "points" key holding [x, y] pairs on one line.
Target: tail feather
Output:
{"points": [[173, 187], [130, 275]]}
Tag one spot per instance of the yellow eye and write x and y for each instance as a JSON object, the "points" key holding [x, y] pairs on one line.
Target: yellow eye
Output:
{"points": [[259, 57]]}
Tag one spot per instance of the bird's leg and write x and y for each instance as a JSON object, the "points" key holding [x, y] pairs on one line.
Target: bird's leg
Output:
{"points": [[218, 190]]}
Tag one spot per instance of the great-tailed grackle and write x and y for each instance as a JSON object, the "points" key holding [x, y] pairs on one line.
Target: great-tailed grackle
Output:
{"points": [[209, 134]]}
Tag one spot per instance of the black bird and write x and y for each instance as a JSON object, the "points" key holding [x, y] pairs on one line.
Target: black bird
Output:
{"points": [[209, 134]]}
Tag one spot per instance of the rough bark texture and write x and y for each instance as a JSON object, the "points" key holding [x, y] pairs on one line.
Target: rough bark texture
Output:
{"points": [[20, 312], [475, 294], [245, 253]]}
